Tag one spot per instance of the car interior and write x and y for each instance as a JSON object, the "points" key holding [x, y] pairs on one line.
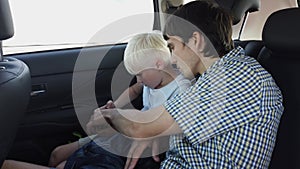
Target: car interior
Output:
{"points": [[37, 108]]}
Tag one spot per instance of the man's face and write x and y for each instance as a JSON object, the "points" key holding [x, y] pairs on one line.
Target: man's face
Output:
{"points": [[183, 56]]}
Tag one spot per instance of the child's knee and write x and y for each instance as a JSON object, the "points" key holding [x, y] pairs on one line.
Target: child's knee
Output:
{"points": [[55, 156], [61, 153], [56, 152]]}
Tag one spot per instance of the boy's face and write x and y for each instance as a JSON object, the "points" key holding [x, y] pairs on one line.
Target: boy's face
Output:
{"points": [[183, 55], [150, 77]]}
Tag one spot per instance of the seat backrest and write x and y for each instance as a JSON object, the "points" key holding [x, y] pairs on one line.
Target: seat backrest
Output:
{"points": [[15, 86], [281, 57]]}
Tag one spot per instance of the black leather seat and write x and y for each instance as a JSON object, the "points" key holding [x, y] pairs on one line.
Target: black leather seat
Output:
{"points": [[15, 86], [281, 57], [252, 47]]}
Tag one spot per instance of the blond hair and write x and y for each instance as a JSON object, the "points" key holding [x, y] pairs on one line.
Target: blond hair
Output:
{"points": [[144, 50]]}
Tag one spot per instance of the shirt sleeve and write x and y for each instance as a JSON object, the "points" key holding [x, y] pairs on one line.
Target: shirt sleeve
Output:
{"points": [[222, 99], [145, 99]]}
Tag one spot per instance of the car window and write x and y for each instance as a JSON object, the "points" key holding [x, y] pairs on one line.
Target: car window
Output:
{"points": [[255, 21], [53, 24]]}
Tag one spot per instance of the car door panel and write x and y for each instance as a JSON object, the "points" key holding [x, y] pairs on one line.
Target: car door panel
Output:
{"points": [[51, 119]]}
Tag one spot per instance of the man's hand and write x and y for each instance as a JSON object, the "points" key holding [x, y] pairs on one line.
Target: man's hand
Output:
{"points": [[136, 150]]}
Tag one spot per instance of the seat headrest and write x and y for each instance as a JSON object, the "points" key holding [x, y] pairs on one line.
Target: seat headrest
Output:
{"points": [[6, 24], [281, 31], [238, 8]]}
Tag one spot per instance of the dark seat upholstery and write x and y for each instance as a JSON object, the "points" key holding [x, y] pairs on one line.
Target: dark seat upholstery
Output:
{"points": [[281, 57], [252, 47], [15, 86]]}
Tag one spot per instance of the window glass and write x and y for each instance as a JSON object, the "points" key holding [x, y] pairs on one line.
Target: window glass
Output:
{"points": [[256, 20], [53, 24], [187, 1]]}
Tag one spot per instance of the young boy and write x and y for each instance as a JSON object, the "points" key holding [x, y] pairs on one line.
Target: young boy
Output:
{"points": [[148, 58]]}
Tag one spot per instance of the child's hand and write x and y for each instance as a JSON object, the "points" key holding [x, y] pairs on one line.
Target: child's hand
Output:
{"points": [[97, 123], [109, 105]]}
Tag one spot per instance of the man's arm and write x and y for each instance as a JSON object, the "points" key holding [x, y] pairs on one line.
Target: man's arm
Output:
{"points": [[133, 123]]}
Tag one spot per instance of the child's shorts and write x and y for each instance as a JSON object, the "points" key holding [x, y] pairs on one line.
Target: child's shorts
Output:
{"points": [[92, 156]]}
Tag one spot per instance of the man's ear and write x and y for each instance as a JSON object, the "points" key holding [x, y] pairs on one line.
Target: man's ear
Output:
{"points": [[198, 40]]}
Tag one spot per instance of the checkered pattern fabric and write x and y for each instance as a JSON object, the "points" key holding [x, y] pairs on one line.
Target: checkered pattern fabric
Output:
{"points": [[229, 117]]}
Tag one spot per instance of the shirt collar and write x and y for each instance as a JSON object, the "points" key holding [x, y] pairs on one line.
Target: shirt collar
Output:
{"points": [[238, 51], [234, 52]]}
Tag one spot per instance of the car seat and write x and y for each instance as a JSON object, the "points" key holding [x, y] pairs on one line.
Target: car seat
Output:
{"points": [[281, 57], [15, 86]]}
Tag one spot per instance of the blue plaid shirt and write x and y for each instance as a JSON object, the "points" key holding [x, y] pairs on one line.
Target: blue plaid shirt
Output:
{"points": [[229, 117]]}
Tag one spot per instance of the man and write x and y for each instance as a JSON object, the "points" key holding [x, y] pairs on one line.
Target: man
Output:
{"points": [[229, 117]]}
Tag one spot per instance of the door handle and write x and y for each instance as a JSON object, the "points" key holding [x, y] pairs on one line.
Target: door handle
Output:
{"points": [[37, 92], [38, 89]]}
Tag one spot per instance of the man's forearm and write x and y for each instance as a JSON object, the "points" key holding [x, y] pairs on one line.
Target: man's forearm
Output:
{"points": [[122, 121], [137, 124]]}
